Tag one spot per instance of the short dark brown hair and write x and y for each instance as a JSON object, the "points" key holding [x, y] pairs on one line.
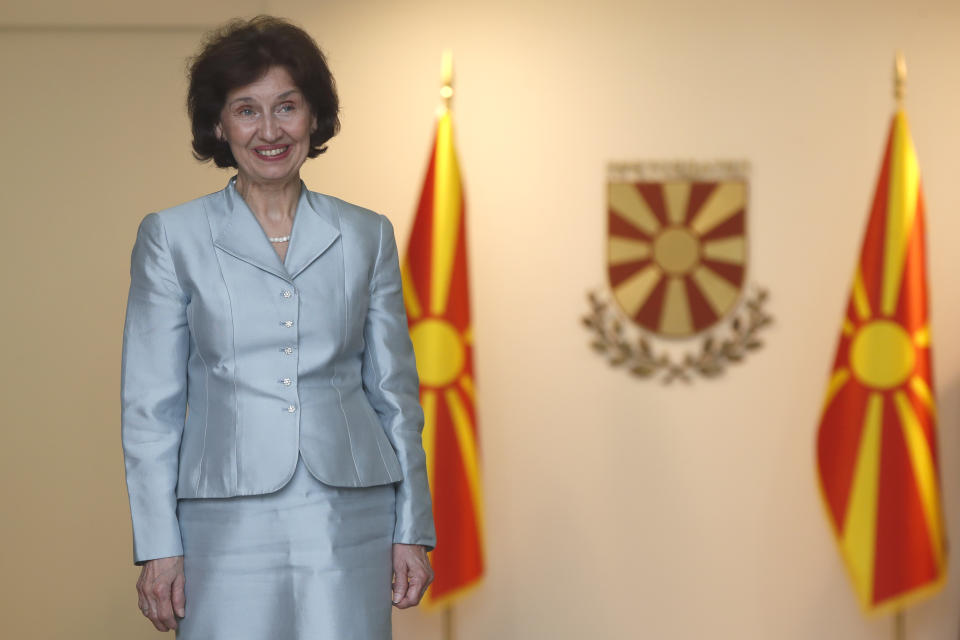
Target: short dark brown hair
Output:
{"points": [[239, 53]]}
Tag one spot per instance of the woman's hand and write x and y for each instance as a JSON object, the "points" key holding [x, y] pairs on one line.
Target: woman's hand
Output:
{"points": [[411, 574], [160, 591]]}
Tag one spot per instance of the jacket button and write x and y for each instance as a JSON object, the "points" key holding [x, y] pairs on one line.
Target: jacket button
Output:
{"points": [[287, 350], [286, 293], [286, 323], [291, 409], [286, 382]]}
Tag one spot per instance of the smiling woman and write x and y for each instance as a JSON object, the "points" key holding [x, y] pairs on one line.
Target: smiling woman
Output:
{"points": [[267, 124], [271, 120], [238, 55], [282, 502]]}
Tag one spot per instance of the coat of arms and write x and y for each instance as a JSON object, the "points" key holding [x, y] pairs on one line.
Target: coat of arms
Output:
{"points": [[676, 269]]}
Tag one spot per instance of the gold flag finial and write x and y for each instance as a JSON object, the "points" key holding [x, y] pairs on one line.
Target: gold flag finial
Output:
{"points": [[899, 78], [446, 78]]}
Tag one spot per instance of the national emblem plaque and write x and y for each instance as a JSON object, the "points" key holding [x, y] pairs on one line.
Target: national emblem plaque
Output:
{"points": [[676, 267]]}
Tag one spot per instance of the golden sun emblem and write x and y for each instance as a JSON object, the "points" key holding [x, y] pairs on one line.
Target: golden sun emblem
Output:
{"points": [[676, 252]]}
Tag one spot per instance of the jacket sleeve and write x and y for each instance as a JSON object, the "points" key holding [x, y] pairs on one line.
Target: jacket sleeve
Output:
{"points": [[391, 383], [153, 392]]}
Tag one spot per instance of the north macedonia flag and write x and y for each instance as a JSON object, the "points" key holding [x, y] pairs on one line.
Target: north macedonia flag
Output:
{"points": [[877, 444], [435, 290]]}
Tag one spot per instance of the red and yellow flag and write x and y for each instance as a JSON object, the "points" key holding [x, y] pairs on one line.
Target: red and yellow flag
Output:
{"points": [[435, 290], [877, 443]]}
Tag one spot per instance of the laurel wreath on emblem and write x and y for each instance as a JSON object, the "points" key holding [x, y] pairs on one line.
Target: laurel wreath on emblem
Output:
{"points": [[637, 356]]}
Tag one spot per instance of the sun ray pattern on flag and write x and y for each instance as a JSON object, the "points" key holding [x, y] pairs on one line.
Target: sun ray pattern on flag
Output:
{"points": [[876, 444], [435, 289]]}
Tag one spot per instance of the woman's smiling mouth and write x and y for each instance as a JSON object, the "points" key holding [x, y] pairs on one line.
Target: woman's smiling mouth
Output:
{"points": [[272, 152]]}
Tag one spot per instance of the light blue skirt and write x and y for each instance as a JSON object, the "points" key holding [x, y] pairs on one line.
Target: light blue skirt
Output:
{"points": [[309, 561]]}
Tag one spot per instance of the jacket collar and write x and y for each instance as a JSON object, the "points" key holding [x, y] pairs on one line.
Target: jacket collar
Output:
{"points": [[315, 228]]}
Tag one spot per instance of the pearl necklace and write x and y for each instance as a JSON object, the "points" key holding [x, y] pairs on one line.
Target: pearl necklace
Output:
{"points": [[278, 238]]}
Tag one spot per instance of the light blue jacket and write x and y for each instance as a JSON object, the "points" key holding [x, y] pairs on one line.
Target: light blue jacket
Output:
{"points": [[234, 362]]}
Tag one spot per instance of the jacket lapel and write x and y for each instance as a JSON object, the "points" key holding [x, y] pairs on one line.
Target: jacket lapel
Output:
{"points": [[315, 228], [241, 235]]}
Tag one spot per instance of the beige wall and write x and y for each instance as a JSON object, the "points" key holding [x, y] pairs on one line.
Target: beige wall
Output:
{"points": [[615, 508]]}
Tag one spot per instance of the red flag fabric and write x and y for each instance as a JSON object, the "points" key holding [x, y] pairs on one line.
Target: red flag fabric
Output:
{"points": [[877, 446], [436, 294]]}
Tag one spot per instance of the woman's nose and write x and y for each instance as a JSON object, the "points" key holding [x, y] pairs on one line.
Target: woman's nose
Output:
{"points": [[270, 128]]}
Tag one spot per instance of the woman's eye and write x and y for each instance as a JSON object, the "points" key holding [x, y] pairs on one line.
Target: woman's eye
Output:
{"points": [[246, 112], [286, 108]]}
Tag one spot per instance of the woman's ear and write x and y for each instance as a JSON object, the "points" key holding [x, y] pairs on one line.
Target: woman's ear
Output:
{"points": [[313, 125], [219, 131]]}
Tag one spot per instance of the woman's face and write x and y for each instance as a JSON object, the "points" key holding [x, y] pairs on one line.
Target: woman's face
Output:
{"points": [[267, 124]]}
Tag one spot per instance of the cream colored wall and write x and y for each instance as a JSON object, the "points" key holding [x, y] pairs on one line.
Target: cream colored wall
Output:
{"points": [[615, 508], [95, 136]]}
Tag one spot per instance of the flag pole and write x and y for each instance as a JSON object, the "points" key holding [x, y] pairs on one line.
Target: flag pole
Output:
{"points": [[899, 626], [446, 97], [448, 622], [446, 79], [899, 79], [899, 92]]}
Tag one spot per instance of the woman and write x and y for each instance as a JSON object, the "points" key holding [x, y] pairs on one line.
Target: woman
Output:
{"points": [[271, 425]]}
